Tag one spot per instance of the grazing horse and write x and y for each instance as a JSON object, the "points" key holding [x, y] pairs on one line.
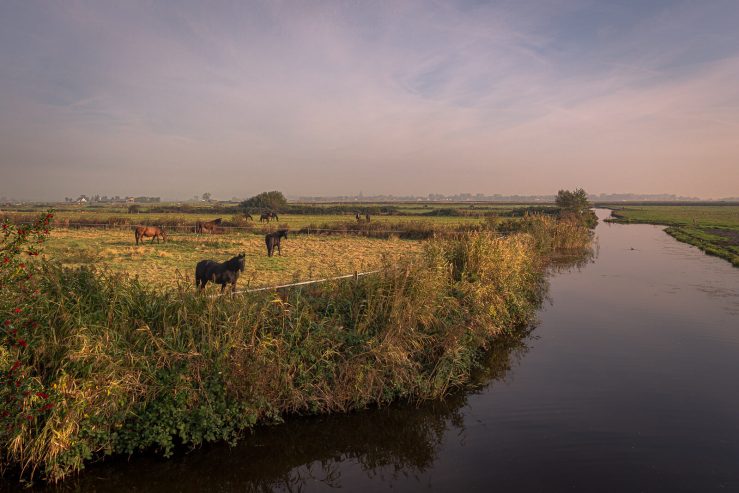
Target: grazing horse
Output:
{"points": [[207, 226], [248, 217], [273, 240], [155, 232], [267, 216], [219, 273]]}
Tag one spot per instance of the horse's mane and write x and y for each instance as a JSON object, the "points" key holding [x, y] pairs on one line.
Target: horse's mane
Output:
{"points": [[233, 263]]}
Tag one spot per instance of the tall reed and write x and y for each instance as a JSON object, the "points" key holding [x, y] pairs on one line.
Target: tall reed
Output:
{"points": [[134, 368]]}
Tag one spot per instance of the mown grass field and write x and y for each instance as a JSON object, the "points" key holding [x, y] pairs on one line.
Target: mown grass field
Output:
{"points": [[77, 241], [304, 256], [165, 264], [713, 229]]}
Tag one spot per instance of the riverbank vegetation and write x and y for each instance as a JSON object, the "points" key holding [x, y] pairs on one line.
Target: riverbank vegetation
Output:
{"points": [[714, 229], [96, 362]]}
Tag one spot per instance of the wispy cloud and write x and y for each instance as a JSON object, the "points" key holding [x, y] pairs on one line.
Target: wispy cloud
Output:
{"points": [[398, 97]]}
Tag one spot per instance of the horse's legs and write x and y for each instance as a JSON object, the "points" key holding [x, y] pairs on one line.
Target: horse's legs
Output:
{"points": [[279, 249]]}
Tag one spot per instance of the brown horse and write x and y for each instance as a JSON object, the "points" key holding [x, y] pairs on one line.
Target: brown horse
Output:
{"points": [[153, 232], [207, 226]]}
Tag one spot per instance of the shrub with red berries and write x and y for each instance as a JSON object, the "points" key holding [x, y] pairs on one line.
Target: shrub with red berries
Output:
{"points": [[23, 399]]}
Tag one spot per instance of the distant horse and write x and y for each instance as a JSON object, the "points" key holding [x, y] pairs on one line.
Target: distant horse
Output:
{"points": [[273, 240], [155, 232], [357, 217], [267, 216], [367, 217], [248, 217], [219, 273], [208, 226]]}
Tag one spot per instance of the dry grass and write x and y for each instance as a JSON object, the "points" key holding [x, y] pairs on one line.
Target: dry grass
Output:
{"points": [[166, 264], [132, 365]]}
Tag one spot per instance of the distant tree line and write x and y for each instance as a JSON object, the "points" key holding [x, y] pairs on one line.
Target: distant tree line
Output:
{"points": [[105, 199]]}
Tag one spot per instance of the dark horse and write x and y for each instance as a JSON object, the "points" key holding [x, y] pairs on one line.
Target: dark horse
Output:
{"points": [[267, 216], [273, 240], [219, 273], [207, 226], [248, 217], [155, 232]]}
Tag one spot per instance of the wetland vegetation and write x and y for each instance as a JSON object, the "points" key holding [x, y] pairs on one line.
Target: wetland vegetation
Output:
{"points": [[712, 228], [102, 357]]}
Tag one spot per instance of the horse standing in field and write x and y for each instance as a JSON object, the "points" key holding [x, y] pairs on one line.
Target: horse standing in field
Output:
{"points": [[248, 217], [273, 240], [367, 217], [268, 216], [154, 232], [219, 273], [208, 226], [356, 216]]}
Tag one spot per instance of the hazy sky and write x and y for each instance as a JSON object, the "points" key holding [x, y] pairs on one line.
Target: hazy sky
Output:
{"points": [[321, 98]]}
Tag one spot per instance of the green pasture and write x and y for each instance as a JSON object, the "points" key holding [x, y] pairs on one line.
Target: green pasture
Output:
{"points": [[712, 228]]}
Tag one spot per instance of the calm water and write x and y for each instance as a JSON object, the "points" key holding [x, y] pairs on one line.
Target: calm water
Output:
{"points": [[630, 382]]}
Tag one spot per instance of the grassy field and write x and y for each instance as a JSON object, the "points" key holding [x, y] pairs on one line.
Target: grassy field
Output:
{"points": [[128, 357], [713, 229], [169, 215], [304, 256], [166, 264]]}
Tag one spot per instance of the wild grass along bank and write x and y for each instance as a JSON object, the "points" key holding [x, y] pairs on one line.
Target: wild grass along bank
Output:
{"points": [[109, 365]]}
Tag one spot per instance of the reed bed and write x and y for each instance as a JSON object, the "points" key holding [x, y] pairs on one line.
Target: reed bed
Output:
{"points": [[122, 367]]}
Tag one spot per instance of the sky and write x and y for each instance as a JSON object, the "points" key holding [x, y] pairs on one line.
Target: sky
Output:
{"points": [[178, 98]]}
